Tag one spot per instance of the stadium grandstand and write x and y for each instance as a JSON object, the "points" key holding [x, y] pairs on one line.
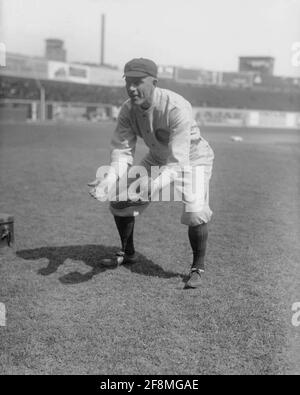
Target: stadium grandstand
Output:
{"points": [[38, 88]]}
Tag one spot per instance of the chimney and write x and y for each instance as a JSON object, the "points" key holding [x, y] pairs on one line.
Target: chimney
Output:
{"points": [[55, 50]]}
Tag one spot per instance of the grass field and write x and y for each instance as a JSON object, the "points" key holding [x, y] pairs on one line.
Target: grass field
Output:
{"points": [[69, 314]]}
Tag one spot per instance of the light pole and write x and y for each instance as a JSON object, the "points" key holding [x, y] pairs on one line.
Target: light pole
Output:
{"points": [[102, 49]]}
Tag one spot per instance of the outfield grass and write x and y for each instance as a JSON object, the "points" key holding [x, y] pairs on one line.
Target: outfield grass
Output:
{"points": [[69, 314]]}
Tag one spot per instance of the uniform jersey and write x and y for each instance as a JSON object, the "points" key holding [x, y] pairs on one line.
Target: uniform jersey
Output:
{"points": [[167, 128]]}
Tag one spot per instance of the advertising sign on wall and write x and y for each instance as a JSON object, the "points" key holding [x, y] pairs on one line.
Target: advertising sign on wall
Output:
{"points": [[61, 71], [25, 67], [298, 121], [219, 116], [260, 64], [193, 76], [166, 72], [106, 77], [272, 119], [242, 80]]}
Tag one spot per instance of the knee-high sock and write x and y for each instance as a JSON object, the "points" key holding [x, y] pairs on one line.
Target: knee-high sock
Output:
{"points": [[198, 240], [125, 226]]}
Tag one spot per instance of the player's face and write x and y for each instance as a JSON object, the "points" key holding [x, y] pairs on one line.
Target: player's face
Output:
{"points": [[140, 90]]}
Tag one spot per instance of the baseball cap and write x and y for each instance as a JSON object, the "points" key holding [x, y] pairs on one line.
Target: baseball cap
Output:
{"points": [[140, 67]]}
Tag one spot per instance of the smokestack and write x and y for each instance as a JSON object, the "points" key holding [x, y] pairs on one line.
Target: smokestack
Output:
{"points": [[102, 61]]}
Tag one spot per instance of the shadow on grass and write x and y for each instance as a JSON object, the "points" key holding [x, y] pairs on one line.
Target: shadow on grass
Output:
{"points": [[93, 256]]}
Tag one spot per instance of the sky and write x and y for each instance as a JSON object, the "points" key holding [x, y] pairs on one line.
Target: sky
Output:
{"points": [[207, 34]]}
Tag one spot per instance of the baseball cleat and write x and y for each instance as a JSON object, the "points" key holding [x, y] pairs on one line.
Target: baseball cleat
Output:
{"points": [[124, 259], [195, 279]]}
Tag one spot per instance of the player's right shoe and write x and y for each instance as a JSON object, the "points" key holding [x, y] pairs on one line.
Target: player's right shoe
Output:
{"points": [[195, 279], [124, 259]]}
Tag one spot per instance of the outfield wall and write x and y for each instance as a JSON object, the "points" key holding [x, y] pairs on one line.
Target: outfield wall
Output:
{"points": [[31, 110], [246, 118], [11, 109]]}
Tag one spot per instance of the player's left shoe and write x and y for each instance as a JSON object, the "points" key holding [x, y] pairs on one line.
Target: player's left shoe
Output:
{"points": [[124, 259], [195, 279]]}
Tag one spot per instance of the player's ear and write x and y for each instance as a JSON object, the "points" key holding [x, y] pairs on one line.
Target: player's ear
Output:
{"points": [[155, 82]]}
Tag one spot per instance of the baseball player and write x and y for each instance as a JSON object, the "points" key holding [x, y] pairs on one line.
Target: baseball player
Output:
{"points": [[164, 120]]}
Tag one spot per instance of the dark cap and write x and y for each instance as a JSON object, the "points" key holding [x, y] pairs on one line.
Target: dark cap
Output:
{"points": [[140, 68]]}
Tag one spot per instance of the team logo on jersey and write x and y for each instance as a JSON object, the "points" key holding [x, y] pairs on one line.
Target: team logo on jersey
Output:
{"points": [[162, 135]]}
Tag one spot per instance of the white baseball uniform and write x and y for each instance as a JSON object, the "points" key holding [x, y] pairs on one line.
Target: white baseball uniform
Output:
{"points": [[174, 140]]}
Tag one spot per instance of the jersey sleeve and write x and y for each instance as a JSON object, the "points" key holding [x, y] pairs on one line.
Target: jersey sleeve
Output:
{"points": [[180, 121], [123, 142]]}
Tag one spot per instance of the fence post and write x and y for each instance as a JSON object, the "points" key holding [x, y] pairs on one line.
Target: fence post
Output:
{"points": [[42, 103]]}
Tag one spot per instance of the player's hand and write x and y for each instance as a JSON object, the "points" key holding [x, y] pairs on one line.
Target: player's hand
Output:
{"points": [[94, 183], [100, 189]]}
